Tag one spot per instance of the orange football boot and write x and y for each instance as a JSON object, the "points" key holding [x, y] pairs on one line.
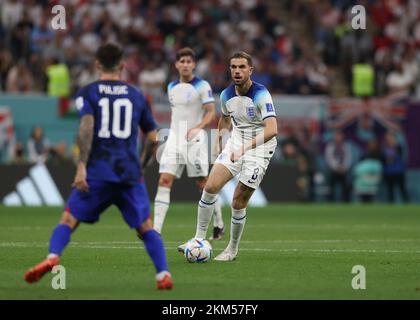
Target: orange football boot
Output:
{"points": [[35, 274], [166, 282]]}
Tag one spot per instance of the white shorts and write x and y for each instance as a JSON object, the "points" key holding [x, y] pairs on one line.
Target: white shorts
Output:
{"points": [[251, 168], [178, 155]]}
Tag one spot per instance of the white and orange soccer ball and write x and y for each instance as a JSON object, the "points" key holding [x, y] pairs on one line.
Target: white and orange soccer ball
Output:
{"points": [[198, 250]]}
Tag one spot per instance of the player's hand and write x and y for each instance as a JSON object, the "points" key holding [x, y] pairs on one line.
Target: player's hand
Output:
{"points": [[80, 181], [237, 154], [191, 133]]}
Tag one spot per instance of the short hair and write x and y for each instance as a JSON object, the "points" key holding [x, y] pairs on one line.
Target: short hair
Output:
{"points": [[109, 56], [185, 52], [241, 54]]}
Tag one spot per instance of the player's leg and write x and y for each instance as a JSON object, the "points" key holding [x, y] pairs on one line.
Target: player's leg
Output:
{"points": [[81, 207], [251, 176], [155, 249], [241, 197], [58, 241], [218, 177], [162, 199], [171, 166], [218, 225], [133, 203]]}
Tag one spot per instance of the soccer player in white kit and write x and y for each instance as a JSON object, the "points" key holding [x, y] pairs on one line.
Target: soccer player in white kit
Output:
{"points": [[192, 110], [247, 107]]}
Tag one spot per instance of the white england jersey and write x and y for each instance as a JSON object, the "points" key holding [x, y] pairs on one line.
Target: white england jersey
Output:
{"points": [[247, 114], [187, 100]]}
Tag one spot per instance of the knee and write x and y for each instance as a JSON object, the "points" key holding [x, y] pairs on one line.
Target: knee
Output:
{"points": [[239, 203], [68, 219], [200, 183], [165, 181], [211, 188], [145, 227]]}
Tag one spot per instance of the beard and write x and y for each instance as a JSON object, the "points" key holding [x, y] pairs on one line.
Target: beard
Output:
{"points": [[240, 82]]}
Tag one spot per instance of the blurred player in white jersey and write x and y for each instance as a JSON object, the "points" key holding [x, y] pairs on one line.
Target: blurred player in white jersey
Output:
{"points": [[193, 109], [248, 107]]}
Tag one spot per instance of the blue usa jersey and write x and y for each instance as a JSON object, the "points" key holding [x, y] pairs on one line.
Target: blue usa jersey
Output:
{"points": [[119, 110]]}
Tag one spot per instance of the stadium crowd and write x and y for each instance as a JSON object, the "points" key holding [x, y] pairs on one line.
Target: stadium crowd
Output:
{"points": [[150, 33], [389, 46], [36, 58], [341, 170]]}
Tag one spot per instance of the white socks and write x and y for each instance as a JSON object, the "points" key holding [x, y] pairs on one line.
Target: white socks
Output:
{"points": [[162, 201], [217, 219], [236, 228], [205, 211]]}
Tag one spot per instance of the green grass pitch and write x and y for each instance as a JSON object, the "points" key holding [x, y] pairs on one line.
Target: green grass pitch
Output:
{"points": [[287, 252]]}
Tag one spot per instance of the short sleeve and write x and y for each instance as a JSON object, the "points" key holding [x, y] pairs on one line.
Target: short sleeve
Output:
{"points": [[206, 94], [223, 108], [83, 103], [147, 122], [264, 102]]}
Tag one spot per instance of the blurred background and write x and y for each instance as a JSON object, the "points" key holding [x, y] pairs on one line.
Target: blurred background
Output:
{"points": [[348, 101]]}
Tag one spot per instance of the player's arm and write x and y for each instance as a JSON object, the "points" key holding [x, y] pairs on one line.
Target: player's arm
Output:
{"points": [[210, 113], [269, 132], [149, 149], [85, 139]]}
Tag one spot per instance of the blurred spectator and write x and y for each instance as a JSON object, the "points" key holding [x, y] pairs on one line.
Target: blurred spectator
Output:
{"points": [[54, 48], [38, 146], [58, 154], [290, 137], [41, 36], [58, 78], [11, 12], [309, 150], [338, 156], [19, 79], [19, 154], [365, 129], [400, 79], [88, 75], [367, 174], [20, 37], [6, 63], [394, 168], [152, 79], [363, 80], [291, 156]]}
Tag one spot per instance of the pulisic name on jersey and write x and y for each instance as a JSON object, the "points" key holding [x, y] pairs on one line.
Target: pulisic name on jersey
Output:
{"points": [[116, 90]]}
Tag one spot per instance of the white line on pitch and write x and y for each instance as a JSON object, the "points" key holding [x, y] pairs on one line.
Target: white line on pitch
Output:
{"points": [[139, 246]]}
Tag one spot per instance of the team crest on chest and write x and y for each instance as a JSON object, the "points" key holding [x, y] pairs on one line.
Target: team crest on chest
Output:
{"points": [[250, 112], [189, 95]]}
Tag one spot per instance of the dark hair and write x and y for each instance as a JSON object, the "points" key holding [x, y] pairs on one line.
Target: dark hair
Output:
{"points": [[185, 52], [109, 56], [241, 54]]}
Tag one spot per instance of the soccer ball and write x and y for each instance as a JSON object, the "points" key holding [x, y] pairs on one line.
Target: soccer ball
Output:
{"points": [[198, 250]]}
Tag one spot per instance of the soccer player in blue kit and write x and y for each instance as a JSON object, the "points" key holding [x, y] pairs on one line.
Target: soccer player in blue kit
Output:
{"points": [[108, 170]]}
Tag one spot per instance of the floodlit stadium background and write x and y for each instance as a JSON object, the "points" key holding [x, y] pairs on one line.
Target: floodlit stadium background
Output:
{"points": [[324, 75]]}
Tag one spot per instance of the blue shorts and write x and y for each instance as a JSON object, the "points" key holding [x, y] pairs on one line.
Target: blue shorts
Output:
{"points": [[131, 199]]}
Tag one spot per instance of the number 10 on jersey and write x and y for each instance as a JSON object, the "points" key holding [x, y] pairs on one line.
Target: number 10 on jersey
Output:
{"points": [[116, 129]]}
